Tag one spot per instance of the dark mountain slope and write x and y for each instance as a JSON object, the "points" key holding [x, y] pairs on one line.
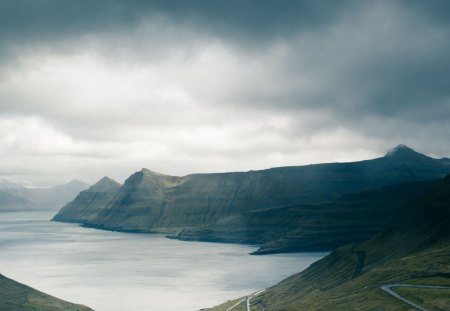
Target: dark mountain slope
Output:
{"points": [[414, 249], [90, 202], [351, 218], [18, 297], [150, 201]]}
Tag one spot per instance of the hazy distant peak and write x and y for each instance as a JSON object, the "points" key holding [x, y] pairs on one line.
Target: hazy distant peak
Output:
{"points": [[8, 185], [402, 151], [76, 182], [105, 184]]}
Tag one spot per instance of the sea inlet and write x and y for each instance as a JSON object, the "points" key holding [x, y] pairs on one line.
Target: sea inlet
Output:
{"points": [[113, 271]]}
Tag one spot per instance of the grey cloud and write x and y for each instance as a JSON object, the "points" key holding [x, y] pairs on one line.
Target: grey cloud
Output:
{"points": [[52, 18], [376, 68], [387, 61], [241, 84]]}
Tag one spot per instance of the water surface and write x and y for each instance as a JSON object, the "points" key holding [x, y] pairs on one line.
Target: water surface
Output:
{"points": [[112, 271]]}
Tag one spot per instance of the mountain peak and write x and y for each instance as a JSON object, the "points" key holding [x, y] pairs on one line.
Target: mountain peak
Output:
{"points": [[105, 184], [146, 171], [401, 151], [76, 182], [8, 185]]}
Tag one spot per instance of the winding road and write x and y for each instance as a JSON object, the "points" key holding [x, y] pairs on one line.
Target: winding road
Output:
{"points": [[388, 289], [236, 304], [250, 297], [247, 299]]}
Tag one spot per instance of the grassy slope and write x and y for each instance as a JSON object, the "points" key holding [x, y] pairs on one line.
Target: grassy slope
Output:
{"points": [[431, 299], [415, 249], [16, 296]]}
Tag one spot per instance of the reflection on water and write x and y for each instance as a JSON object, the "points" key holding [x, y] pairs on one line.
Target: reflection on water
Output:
{"points": [[111, 271]]}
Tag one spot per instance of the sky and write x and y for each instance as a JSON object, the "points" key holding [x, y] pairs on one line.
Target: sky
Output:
{"points": [[95, 88]]}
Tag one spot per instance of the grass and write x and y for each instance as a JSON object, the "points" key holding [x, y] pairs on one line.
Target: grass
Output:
{"points": [[431, 299], [15, 296], [225, 306], [349, 279]]}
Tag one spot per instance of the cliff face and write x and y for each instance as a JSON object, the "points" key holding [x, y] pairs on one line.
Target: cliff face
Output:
{"points": [[149, 201]]}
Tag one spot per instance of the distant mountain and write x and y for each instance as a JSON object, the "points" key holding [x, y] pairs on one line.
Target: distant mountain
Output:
{"points": [[89, 202], [15, 296], [54, 197], [12, 202], [413, 249], [154, 202], [8, 185], [9, 201], [14, 196]]}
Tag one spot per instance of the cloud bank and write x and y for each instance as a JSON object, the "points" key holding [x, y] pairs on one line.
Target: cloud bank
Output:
{"points": [[108, 87]]}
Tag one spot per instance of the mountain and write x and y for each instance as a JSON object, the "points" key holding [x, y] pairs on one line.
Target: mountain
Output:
{"points": [[88, 203], [12, 202], [153, 202], [15, 197], [314, 227], [15, 296], [54, 197], [413, 249], [8, 185]]}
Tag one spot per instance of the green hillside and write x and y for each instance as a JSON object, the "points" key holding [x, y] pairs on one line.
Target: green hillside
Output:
{"points": [[15, 296], [414, 249]]}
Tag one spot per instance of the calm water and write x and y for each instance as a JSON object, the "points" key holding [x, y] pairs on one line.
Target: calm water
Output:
{"points": [[111, 271]]}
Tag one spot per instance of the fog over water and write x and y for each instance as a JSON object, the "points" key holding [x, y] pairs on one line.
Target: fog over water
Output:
{"points": [[133, 272]]}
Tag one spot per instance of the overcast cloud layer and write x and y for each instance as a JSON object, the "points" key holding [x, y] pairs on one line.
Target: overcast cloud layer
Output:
{"points": [[94, 88]]}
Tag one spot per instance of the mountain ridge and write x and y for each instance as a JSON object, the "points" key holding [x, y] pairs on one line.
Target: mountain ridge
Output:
{"points": [[154, 202]]}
